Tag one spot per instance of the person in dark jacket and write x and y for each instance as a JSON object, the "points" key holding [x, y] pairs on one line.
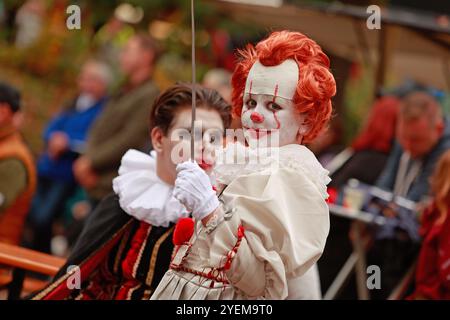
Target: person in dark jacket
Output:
{"points": [[65, 138], [126, 245]]}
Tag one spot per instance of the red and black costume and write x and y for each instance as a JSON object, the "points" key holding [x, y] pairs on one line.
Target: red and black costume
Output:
{"points": [[126, 245], [119, 257]]}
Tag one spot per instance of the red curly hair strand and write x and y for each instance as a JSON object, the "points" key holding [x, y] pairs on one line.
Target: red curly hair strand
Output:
{"points": [[316, 84]]}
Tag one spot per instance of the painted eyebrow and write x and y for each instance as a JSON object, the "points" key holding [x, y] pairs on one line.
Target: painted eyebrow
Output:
{"points": [[275, 93]]}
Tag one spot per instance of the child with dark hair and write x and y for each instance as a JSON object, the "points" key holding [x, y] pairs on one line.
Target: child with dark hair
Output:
{"points": [[126, 245]]}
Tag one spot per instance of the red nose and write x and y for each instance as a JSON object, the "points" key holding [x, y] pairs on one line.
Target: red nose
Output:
{"points": [[257, 117]]}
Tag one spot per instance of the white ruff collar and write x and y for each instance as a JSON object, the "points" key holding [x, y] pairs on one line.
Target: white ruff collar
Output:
{"points": [[296, 157], [142, 194]]}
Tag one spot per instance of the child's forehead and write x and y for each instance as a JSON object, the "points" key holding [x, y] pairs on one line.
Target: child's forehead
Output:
{"points": [[280, 80]]}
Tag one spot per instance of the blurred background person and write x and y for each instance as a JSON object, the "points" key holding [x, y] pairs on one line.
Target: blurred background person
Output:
{"points": [[65, 138], [17, 171], [112, 37], [123, 124], [29, 21], [423, 135], [366, 157], [363, 160], [433, 268], [220, 80]]}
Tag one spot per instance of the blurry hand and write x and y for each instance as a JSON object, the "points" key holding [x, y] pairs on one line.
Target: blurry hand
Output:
{"points": [[83, 172], [194, 190], [390, 211], [57, 144]]}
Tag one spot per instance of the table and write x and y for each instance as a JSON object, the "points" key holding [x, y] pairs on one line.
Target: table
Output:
{"points": [[357, 259]]}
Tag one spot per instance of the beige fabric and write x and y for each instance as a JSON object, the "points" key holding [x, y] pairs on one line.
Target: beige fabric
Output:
{"points": [[305, 287], [286, 223]]}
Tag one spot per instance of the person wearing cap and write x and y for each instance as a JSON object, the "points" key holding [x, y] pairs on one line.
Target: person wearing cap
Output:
{"points": [[17, 171]]}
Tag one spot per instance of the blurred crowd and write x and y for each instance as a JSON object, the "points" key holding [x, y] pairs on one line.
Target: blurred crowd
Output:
{"points": [[403, 148]]}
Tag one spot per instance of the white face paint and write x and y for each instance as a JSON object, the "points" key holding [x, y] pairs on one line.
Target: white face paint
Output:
{"points": [[268, 104]]}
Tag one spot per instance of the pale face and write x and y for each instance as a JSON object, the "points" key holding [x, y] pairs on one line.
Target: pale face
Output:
{"points": [[91, 82], [209, 131], [174, 147], [268, 114], [133, 56], [418, 136], [265, 115]]}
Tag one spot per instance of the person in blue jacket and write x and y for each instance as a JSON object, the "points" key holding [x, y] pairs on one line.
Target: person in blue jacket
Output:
{"points": [[64, 139]]}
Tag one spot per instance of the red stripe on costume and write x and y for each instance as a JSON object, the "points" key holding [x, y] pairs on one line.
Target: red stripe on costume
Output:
{"points": [[215, 274], [61, 291], [133, 255], [131, 261]]}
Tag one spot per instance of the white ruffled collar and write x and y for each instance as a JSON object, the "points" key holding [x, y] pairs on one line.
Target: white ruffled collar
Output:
{"points": [[142, 194], [293, 156]]}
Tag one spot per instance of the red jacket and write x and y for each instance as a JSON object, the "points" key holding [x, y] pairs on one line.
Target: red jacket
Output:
{"points": [[433, 268]]}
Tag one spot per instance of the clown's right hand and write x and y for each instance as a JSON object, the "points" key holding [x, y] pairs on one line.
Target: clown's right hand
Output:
{"points": [[194, 190]]}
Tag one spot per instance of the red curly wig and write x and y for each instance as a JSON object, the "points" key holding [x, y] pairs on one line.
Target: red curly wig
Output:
{"points": [[379, 131], [316, 84]]}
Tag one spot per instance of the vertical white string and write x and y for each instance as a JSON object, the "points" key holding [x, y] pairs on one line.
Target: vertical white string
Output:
{"points": [[194, 95]]}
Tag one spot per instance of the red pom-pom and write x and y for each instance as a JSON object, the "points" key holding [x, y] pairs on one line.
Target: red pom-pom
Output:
{"points": [[332, 195], [183, 231]]}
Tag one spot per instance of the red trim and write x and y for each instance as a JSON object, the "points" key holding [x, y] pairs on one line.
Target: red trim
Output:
{"points": [[216, 274], [133, 254], [131, 260], [86, 268]]}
